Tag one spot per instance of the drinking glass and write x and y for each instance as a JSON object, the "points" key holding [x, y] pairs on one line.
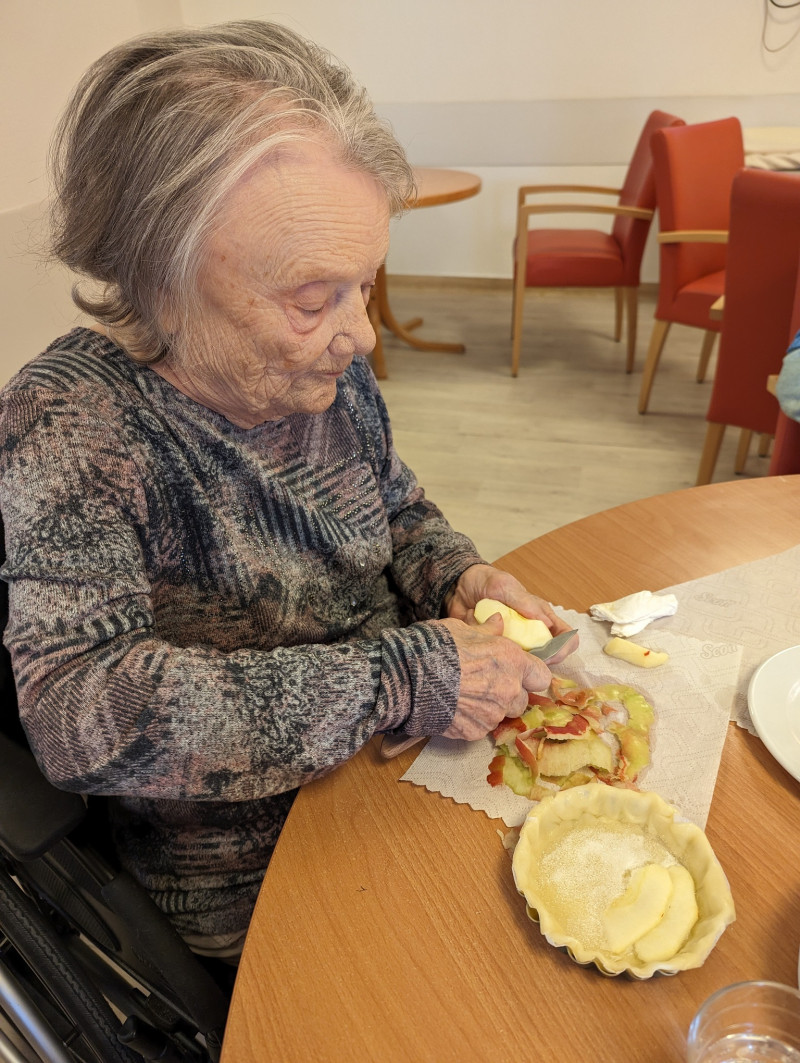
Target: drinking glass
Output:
{"points": [[754, 1021]]}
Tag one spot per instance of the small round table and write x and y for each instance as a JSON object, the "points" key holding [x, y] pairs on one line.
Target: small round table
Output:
{"points": [[388, 926], [434, 187]]}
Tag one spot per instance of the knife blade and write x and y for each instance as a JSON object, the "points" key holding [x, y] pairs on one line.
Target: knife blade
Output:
{"points": [[551, 648]]}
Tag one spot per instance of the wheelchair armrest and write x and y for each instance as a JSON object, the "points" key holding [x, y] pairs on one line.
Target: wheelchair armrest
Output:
{"points": [[34, 814], [160, 948]]}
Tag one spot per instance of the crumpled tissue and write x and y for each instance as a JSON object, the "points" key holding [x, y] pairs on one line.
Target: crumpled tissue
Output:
{"points": [[634, 612]]}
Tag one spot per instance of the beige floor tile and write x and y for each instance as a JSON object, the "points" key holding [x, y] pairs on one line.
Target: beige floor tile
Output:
{"points": [[508, 459]]}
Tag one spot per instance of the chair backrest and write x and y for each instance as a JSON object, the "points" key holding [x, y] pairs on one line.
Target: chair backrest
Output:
{"points": [[694, 168], [639, 190], [9, 715], [785, 460], [38, 836], [760, 284], [794, 326], [786, 451]]}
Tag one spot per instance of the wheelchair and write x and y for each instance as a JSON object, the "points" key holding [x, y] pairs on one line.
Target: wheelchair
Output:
{"points": [[91, 971]]}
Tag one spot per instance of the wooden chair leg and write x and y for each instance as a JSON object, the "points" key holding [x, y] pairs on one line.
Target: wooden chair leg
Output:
{"points": [[764, 441], [513, 302], [516, 320], [618, 302], [785, 460], [708, 459], [378, 361], [632, 307], [705, 354], [742, 450], [659, 335]]}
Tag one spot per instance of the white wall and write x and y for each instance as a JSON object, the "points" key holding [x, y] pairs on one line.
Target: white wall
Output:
{"points": [[455, 50], [515, 90], [44, 48], [569, 85]]}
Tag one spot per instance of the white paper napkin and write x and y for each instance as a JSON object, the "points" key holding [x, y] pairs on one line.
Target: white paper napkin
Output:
{"points": [[691, 694], [631, 614], [753, 607]]}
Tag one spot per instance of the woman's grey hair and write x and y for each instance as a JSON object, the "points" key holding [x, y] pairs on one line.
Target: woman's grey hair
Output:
{"points": [[157, 133]]}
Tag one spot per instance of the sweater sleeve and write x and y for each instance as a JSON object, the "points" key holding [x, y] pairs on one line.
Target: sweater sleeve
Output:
{"points": [[428, 555], [110, 706]]}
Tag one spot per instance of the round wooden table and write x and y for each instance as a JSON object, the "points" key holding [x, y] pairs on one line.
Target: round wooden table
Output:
{"points": [[434, 187], [388, 927]]}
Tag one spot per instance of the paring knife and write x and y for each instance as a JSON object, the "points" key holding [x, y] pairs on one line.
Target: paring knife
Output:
{"points": [[550, 649], [392, 745]]}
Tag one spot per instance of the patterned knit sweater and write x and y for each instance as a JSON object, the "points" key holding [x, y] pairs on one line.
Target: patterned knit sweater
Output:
{"points": [[205, 617]]}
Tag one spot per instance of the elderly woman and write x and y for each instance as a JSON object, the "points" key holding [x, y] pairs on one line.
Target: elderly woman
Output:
{"points": [[223, 580]]}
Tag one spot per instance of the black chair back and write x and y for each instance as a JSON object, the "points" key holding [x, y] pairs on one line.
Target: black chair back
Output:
{"points": [[58, 848], [9, 713]]}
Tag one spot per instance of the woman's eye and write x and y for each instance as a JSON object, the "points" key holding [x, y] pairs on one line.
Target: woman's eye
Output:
{"points": [[312, 309], [366, 291]]}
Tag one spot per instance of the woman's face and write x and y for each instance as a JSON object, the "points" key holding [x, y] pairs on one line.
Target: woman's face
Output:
{"points": [[284, 290]]}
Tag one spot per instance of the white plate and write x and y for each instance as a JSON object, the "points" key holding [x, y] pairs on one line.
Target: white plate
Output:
{"points": [[774, 701]]}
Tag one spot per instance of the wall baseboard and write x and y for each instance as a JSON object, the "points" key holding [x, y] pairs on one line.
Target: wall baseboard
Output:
{"points": [[409, 280]]}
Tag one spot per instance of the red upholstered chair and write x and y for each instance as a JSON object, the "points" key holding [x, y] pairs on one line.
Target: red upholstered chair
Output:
{"points": [[694, 168], [589, 258], [786, 449], [760, 287], [785, 458]]}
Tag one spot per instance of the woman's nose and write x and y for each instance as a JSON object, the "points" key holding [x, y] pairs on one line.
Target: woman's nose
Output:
{"points": [[355, 334]]}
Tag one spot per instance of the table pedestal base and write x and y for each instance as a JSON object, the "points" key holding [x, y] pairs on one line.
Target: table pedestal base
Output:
{"points": [[380, 315]]}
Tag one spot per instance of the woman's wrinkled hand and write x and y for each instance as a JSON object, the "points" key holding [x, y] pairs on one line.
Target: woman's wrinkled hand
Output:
{"points": [[496, 677], [485, 581]]}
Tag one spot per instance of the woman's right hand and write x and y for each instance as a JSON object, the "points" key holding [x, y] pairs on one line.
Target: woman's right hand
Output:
{"points": [[496, 677]]}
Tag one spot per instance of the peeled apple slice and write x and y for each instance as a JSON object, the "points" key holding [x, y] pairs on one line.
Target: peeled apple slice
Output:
{"points": [[633, 653], [666, 938], [641, 907], [525, 632], [559, 758]]}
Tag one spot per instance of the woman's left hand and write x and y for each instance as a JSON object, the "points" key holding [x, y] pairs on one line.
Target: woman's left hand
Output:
{"points": [[485, 581]]}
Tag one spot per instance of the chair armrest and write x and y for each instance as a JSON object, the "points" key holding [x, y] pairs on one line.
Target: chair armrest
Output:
{"points": [[694, 236], [717, 309], [160, 948], [595, 190], [34, 814], [524, 212]]}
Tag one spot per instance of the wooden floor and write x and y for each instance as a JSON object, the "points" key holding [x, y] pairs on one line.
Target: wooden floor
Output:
{"points": [[508, 459]]}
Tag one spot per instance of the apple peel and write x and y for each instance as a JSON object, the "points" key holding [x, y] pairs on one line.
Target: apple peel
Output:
{"points": [[571, 735]]}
